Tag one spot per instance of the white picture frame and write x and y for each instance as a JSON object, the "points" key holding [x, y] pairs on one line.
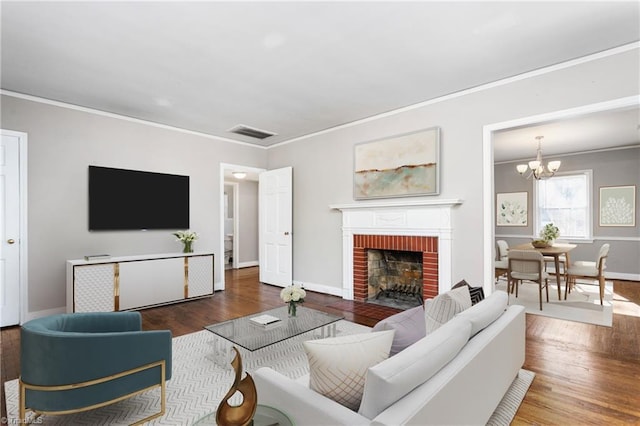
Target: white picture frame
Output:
{"points": [[617, 205], [512, 209]]}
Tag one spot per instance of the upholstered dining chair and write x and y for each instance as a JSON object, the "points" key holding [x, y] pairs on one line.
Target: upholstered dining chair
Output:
{"points": [[76, 362], [587, 269], [502, 264], [562, 260], [527, 265]]}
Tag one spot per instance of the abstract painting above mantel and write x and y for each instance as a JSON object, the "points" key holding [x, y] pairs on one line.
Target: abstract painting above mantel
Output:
{"points": [[401, 166], [511, 209]]}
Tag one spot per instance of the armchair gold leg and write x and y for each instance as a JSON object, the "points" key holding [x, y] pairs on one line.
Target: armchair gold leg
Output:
{"points": [[21, 402]]}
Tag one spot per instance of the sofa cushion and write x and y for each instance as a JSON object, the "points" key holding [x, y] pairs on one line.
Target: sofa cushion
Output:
{"points": [[482, 314], [476, 293], [395, 377], [409, 326], [443, 307], [338, 365]]}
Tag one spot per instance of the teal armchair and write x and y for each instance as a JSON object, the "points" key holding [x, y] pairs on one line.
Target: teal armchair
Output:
{"points": [[77, 362]]}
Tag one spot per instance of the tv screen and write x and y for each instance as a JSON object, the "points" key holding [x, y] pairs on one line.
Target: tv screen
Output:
{"points": [[130, 199]]}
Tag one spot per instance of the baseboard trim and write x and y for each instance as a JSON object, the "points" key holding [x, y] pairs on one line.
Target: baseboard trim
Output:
{"points": [[621, 276], [320, 288], [45, 313], [249, 264]]}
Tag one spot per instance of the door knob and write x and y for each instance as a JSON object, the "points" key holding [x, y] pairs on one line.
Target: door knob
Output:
{"points": [[286, 233], [11, 241]]}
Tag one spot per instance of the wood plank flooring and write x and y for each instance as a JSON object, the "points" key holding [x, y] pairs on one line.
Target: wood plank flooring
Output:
{"points": [[585, 374]]}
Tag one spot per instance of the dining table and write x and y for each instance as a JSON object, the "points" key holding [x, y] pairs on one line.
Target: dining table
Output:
{"points": [[555, 250]]}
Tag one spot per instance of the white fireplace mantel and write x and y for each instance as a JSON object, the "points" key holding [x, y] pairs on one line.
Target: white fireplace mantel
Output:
{"points": [[396, 203], [430, 218]]}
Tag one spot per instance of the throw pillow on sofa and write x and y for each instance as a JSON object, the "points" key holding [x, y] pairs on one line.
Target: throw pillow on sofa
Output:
{"points": [[476, 293], [443, 307], [409, 326], [395, 377], [338, 365], [483, 314]]}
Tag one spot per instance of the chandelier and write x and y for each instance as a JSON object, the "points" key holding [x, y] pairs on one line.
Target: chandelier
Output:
{"points": [[536, 168]]}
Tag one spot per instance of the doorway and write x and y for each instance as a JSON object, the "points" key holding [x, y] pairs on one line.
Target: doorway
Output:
{"points": [[488, 162], [231, 224], [13, 229], [238, 204]]}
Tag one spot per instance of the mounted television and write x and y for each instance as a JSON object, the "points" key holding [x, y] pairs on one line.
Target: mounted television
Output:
{"points": [[130, 199]]}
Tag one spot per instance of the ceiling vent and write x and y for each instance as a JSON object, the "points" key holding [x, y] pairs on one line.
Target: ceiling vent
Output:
{"points": [[252, 132]]}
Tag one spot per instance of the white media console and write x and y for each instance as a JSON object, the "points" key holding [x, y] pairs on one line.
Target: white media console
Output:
{"points": [[131, 282]]}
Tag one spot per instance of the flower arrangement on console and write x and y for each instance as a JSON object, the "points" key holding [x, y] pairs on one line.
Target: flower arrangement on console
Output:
{"points": [[293, 295], [187, 238], [549, 232]]}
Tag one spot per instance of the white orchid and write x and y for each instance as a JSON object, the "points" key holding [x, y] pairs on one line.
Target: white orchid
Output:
{"points": [[185, 236]]}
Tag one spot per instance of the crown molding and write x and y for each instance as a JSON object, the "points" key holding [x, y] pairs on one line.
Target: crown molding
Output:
{"points": [[122, 117]]}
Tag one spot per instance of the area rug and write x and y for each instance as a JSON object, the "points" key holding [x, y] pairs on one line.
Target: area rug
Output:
{"points": [[198, 384], [582, 304]]}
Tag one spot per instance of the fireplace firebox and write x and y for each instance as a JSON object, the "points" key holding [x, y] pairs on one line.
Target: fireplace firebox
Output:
{"points": [[376, 255], [394, 278]]}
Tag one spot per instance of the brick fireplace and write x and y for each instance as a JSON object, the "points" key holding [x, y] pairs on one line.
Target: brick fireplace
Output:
{"points": [[409, 225], [428, 246]]}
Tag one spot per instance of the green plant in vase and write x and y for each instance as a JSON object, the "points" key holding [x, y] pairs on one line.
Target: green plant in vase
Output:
{"points": [[549, 233]]}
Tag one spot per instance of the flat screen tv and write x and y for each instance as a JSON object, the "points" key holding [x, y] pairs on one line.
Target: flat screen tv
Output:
{"points": [[122, 199]]}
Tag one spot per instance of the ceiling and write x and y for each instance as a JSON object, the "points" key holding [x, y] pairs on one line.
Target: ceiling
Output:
{"points": [[589, 132], [298, 68]]}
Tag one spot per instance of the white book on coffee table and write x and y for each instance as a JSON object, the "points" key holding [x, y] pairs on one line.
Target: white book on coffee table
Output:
{"points": [[265, 319]]}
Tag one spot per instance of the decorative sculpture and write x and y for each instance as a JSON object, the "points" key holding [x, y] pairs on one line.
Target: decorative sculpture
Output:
{"points": [[238, 415]]}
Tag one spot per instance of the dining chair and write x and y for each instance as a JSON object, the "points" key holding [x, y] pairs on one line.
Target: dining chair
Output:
{"points": [[562, 260], [587, 269], [502, 264], [527, 265]]}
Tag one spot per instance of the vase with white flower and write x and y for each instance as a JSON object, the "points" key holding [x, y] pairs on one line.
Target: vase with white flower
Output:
{"points": [[292, 295], [186, 238]]}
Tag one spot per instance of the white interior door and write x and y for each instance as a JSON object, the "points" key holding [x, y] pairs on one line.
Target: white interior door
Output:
{"points": [[9, 230], [275, 226]]}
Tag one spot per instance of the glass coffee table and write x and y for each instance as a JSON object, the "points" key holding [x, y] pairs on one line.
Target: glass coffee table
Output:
{"points": [[248, 334], [265, 416]]}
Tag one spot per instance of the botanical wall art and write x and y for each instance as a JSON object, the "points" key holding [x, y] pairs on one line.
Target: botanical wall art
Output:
{"points": [[618, 205], [401, 166], [511, 209]]}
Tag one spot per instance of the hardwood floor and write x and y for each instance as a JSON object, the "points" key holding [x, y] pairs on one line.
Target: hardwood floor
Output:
{"points": [[585, 374]]}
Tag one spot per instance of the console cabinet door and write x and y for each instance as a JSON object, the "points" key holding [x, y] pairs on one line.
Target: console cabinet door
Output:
{"points": [[200, 270], [151, 282], [94, 288]]}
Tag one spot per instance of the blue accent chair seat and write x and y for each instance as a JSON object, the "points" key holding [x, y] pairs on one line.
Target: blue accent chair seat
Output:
{"points": [[77, 362]]}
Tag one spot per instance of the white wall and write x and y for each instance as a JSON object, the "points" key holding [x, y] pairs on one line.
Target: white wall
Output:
{"points": [[323, 164], [63, 143]]}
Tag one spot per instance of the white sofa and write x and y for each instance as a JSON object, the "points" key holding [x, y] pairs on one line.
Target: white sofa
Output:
{"points": [[465, 391]]}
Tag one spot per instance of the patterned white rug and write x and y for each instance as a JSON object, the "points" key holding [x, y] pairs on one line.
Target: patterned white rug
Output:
{"points": [[198, 384], [582, 304]]}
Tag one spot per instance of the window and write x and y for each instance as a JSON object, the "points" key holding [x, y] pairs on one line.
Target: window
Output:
{"points": [[565, 200]]}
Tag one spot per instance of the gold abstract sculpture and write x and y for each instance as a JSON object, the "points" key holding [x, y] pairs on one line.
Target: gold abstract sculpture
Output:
{"points": [[238, 415]]}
